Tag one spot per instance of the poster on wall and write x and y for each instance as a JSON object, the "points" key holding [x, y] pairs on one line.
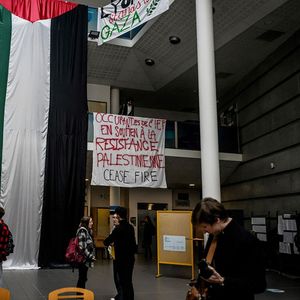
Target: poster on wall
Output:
{"points": [[128, 151]]}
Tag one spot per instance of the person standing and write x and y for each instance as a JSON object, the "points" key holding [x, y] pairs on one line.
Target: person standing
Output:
{"points": [[86, 244], [111, 250], [123, 239], [127, 109], [238, 265], [148, 232], [4, 243]]}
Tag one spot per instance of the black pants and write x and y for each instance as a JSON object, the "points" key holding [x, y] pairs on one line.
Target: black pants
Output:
{"points": [[116, 280], [82, 279], [125, 270], [148, 251]]}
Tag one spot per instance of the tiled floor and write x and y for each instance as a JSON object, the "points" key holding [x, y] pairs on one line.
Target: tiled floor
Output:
{"points": [[36, 284]]}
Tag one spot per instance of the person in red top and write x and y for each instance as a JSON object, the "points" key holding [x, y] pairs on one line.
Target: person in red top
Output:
{"points": [[4, 233]]}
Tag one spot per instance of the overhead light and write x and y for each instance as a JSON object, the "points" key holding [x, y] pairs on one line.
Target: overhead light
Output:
{"points": [[94, 34], [192, 184], [174, 39], [149, 62]]}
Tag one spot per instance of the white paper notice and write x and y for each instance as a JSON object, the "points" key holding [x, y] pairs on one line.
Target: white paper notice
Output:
{"points": [[259, 228], [280, 225], [288, 236], [262, 237], [290, 224], [174, 243], [284, 248], [258, 221]]}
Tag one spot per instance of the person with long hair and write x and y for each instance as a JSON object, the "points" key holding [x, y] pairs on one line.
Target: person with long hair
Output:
{"points": [[86, 244]]}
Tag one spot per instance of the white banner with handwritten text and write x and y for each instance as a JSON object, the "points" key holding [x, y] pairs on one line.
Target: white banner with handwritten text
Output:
{"points": [[121, 16], [128, 151]]}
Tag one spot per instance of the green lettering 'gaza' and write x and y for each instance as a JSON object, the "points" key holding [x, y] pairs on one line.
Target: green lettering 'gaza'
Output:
{"points": [[108, 31]]}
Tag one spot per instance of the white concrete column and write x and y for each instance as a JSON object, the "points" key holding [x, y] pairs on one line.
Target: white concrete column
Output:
{"points": [[114, 192], [114, 196], [114, 101], [210, 170]]}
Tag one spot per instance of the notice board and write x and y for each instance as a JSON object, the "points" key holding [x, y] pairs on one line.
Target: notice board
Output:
{"points": [[174, 239]]}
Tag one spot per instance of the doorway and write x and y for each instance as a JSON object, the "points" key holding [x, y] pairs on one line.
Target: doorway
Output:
{"points": [[143, 210]]}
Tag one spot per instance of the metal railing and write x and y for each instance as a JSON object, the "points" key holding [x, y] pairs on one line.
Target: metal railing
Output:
{"points": [[186, 135]]}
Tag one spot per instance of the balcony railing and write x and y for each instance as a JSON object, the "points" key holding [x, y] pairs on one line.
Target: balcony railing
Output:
{"points": [[186, 135]]}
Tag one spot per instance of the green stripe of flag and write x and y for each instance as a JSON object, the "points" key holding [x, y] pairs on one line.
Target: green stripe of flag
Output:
{"points": [[5, 36]]}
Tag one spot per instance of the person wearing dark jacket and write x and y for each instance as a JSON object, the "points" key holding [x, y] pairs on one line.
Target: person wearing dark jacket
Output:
{"points": [[238, 265], [148, 232], [123, 239], [127, 109], [111, 250]]}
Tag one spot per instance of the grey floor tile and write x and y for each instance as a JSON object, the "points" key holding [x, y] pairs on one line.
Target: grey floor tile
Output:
{"points": [[36, 284]]}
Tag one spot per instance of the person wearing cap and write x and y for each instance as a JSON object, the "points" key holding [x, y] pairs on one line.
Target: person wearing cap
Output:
{"points": [[123, 239]]}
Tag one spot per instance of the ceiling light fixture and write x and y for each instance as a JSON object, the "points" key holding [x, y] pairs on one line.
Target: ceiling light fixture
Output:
{"points": [[149, 62], [94, 34], [192, 184], [174, 39]]}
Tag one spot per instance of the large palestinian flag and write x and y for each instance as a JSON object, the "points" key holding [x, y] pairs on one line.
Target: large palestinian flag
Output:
{"points": [[43, 124]]}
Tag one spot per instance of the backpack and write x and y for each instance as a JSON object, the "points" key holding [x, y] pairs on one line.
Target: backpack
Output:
{"points": [[74, 255], [10, 244]]}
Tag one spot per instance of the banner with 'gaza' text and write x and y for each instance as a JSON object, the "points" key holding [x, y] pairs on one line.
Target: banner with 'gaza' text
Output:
{"points": [[121, 16], [128, 151]]}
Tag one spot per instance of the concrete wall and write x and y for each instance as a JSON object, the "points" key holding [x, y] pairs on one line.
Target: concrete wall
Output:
{"points": [[268, 103], [98, 92], [194, 198], [147, 195]]}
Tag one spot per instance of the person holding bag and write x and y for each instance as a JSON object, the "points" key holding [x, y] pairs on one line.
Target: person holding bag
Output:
{"points": [[234, 268], [86, 245]]}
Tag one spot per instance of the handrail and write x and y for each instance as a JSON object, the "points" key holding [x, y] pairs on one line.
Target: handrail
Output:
{"points": [[186, 135]]}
